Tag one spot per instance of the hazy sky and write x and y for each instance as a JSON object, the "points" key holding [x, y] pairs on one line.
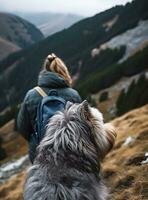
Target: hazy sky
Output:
{"points": [[81, 7]]}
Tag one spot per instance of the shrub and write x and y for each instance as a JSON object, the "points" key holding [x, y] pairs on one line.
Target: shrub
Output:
{"points": [[136, 96], [2, 151], [103, 96], [10, 114]]}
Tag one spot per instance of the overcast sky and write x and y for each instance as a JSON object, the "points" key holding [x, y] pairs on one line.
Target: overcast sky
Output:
{"points": [[81, 7]]}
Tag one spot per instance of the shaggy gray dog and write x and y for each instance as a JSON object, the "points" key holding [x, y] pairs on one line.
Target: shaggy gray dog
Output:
{"points": [[67, 166]]}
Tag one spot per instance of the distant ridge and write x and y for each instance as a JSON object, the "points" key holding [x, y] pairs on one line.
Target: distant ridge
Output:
{"points": [[18, 31], [50, 23]]}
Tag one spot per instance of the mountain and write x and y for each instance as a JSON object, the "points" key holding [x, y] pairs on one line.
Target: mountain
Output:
{"points": [[18, 31], [50, 23], [58, 23], [124, 168], [87, 47]]}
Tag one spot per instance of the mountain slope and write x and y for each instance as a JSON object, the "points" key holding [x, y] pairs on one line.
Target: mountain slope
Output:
{"points": [[7, 48], [75, 46], [132, 39], [112, 72], [124, 170], [13, 143], [110, 100], [18, 30]]}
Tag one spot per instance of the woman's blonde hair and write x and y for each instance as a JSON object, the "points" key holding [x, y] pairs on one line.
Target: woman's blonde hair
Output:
{"points": [[54, 64]]}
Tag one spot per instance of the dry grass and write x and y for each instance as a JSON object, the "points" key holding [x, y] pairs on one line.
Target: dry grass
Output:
{"points": [[123, 171], [124, 174], [13, 143], [13, 189]]}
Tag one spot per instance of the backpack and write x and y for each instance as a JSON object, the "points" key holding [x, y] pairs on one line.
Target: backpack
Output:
{"points": [[48, 106]]}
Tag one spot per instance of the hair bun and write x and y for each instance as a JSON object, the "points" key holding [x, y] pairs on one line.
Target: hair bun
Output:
{"points": [[51, 57]]}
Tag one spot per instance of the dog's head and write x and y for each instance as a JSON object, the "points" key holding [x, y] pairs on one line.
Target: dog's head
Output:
{"points": [[80, 128], [102, 134]]}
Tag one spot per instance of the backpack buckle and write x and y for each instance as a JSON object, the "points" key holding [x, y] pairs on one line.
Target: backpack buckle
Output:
{"points": [[53, 93]]}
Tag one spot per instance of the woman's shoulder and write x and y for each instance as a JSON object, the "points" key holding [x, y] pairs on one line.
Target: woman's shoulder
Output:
{"points": [[68, 93], [31, 95], [71, 94], [73, 91]]}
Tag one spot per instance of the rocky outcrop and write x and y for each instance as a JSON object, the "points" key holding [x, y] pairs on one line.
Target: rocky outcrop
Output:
{"points": [[134, 39]]}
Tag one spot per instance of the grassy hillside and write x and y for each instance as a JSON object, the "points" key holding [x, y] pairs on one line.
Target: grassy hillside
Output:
{"points": [[18, 30], [74, 45], [123, 169]]}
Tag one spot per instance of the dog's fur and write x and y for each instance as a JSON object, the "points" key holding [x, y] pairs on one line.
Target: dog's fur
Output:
{"points": [[68, 163]]}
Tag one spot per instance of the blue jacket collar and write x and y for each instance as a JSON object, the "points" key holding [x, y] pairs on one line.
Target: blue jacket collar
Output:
{"points": [[51, 80]]}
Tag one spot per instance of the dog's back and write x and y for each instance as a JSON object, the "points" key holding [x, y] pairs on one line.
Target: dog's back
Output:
{"points": [[46, 181]]}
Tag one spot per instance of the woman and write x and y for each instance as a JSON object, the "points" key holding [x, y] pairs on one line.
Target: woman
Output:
{"points": [[55, 75]]}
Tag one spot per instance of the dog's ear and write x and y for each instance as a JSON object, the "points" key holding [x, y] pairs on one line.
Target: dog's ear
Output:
{"points": [[85, 109], [106, 139], [85, 105], [110, 135], [68, 105]]}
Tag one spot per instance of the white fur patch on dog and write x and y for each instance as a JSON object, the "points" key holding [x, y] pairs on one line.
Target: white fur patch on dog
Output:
{"points": [[97, 114]]}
